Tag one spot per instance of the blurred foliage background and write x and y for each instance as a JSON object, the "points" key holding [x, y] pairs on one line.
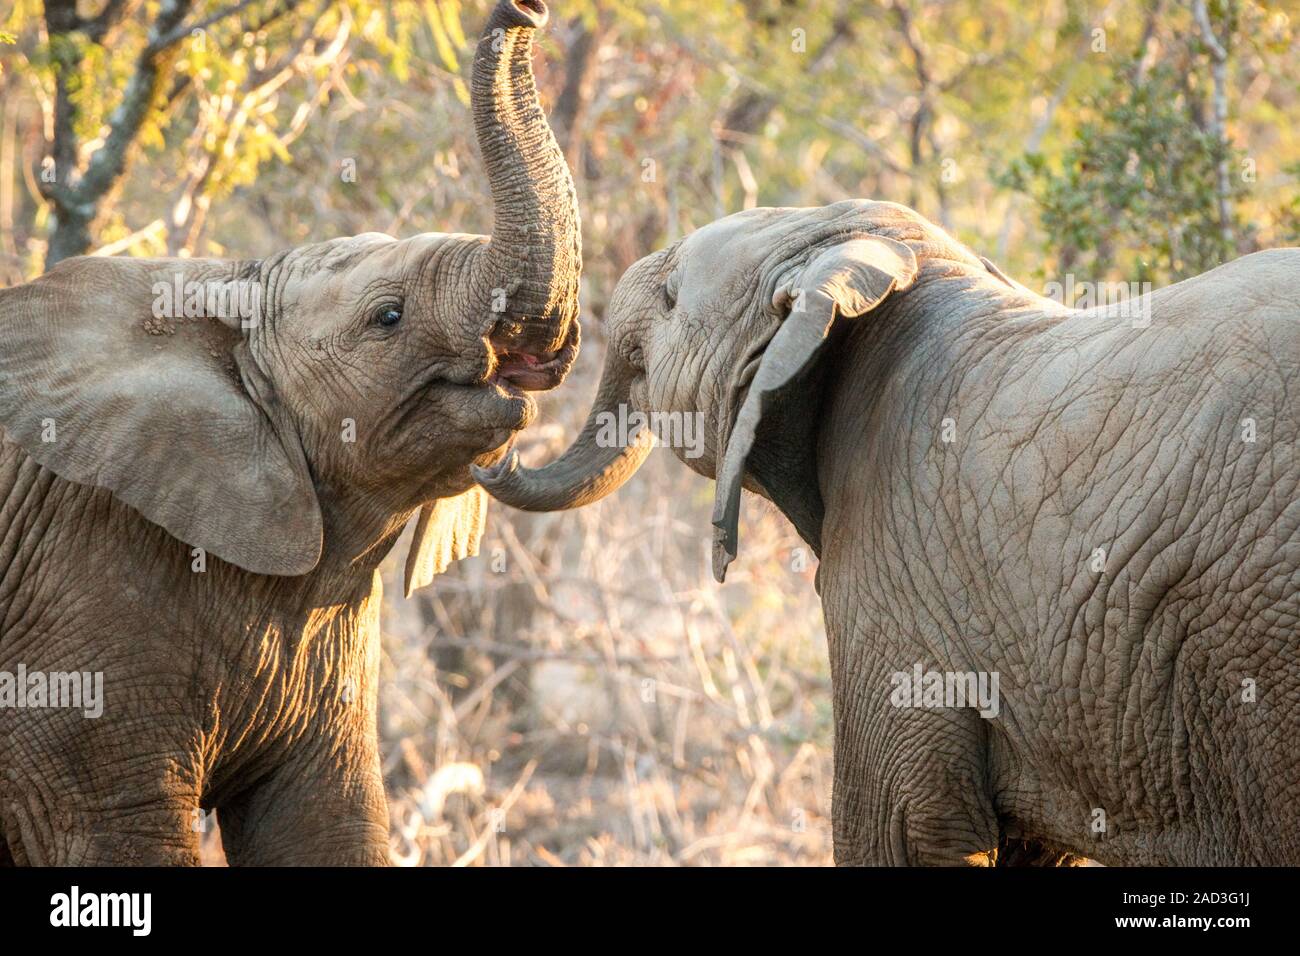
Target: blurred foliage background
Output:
{"points": [[582, 692]]}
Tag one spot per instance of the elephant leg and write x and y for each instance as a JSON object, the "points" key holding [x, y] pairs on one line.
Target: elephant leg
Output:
{"points": [[911, 787], [159, 833], [154, 832], [137, 812], [326, 810]]}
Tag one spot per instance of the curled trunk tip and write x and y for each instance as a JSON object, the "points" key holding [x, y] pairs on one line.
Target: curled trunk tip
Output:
{"points": [[588, 471]]}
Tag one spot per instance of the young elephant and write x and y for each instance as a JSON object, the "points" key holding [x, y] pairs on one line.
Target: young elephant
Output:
{"points": [[204, 463], [1087, 519]]}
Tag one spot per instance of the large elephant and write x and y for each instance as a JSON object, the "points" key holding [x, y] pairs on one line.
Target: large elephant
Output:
{"points": [[203, 464], [1082, 523]]}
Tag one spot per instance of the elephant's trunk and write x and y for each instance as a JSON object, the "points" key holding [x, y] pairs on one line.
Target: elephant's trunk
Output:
{"points": [[531, 267], [592, 468]]}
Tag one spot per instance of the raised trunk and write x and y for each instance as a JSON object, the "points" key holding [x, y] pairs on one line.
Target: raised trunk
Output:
{"points": [[585, 473], [531, 269]]}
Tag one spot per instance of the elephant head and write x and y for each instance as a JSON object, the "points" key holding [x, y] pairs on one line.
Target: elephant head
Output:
{"points": [[270, 411], [729, 325]]}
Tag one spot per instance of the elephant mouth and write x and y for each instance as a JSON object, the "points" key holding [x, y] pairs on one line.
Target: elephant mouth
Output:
{"points": [[517, 368]]}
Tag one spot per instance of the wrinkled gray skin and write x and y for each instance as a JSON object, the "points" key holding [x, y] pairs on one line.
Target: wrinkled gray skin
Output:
{"points": [[1121, 692], [182, 510]]}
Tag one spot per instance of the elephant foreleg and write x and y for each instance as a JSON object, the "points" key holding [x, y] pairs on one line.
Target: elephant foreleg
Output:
{"points": [[329, 811], [911, 787], [114, 814]]}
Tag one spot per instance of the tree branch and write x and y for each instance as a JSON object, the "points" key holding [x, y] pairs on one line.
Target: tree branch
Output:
{"points": [[181, 32], [76, 199], [97, 28], [109, 161]]}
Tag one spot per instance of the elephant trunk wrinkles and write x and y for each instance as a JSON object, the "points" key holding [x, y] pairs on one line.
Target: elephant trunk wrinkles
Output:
{"points": [[531, 269], [590, 469]]}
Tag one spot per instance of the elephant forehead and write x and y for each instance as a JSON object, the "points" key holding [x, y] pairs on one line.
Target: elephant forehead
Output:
{"points": [[748, 239], [737, 240], [369, 254], [345, 273], [334, 255]]}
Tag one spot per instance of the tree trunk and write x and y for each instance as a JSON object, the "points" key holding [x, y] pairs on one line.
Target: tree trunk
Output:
{"points": [[1218, 121]]}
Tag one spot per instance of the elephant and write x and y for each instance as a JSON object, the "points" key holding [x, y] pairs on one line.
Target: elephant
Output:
{"points": [[204, 463], [1059, 547]]}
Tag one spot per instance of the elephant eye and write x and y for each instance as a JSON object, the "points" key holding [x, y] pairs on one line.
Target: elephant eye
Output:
{"points": [[388, 315], [670, 290]]}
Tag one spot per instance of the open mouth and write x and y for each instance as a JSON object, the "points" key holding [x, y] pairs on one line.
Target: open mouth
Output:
{"points": [[517, 369]]}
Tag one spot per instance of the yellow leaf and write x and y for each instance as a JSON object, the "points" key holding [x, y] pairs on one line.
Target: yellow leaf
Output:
{"points": [[446, 52], [451, 17]]}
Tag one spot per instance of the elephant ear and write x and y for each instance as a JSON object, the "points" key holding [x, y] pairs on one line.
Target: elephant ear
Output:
{"points": [[447, 530], [848, 279], [171, 415]]}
